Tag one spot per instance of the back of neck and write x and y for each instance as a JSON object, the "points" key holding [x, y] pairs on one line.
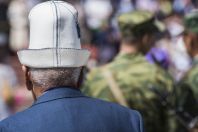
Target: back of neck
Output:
{"points": [[128, 48]]}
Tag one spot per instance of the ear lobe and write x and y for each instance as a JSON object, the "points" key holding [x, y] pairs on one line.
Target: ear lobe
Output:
{"points": [[24, 68], [26, 71]]}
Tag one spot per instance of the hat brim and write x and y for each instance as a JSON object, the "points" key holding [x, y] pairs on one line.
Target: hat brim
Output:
{"points": [[53, 58]]}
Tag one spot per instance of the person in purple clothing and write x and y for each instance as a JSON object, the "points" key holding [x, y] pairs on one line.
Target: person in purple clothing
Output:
{"points": [[159, 57]]}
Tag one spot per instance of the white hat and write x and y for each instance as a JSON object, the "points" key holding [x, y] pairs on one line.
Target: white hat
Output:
{"points": [[54, 37]]}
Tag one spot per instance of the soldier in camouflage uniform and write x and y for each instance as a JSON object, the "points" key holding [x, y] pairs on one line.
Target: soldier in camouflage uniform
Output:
{"points": [[130, 80], [187, 90]]}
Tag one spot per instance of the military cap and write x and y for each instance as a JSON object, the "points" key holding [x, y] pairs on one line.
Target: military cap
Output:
{"points": [[135, 22], [191, 21]]}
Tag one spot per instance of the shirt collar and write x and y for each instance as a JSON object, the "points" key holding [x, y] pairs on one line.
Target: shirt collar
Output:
{"points": [[59, 93]]}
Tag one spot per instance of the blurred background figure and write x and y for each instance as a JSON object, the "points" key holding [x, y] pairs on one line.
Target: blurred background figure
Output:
{"points": [[18, 13], [98, 21], [130, 79], [176, 48], [124, 6], [4, 27], [183, 6], [149, 5], [8, 82], [187, 91], [96, 16], [4, 36]]}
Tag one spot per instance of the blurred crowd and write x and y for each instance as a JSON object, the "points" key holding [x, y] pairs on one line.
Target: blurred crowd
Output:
{"points": [[100, 34]]}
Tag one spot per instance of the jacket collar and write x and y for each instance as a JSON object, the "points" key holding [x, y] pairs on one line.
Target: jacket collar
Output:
{"points": [[58, 93]]}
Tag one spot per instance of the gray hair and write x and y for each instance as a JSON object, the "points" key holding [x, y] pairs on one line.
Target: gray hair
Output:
{"points": [[54, 77]]}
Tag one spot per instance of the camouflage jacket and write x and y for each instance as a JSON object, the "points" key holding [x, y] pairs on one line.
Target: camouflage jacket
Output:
{"points": [[134, 76], [187, 92]]}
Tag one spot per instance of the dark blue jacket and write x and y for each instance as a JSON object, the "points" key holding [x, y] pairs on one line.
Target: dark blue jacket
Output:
{"points": [[68, 110]]}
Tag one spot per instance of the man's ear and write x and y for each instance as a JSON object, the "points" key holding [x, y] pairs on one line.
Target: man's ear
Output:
{"points": [[145, 39], [146, 43], [28, 82], [81, 77]]}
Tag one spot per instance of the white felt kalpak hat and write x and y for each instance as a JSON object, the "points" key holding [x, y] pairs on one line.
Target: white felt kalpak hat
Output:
{"points": [[54, 37]]}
